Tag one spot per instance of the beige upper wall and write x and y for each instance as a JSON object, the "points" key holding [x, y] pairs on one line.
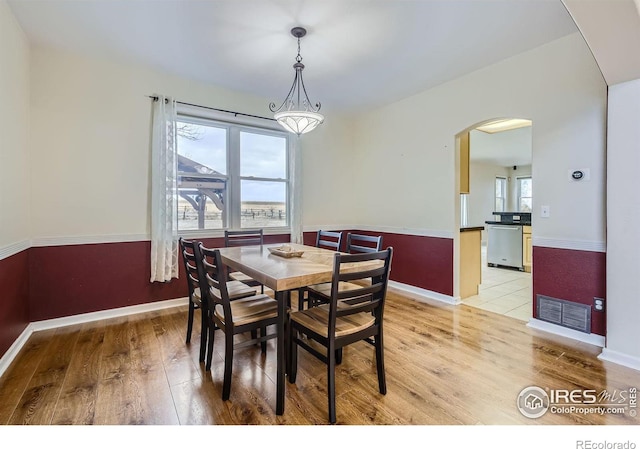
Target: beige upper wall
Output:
{"points": [[329, 175], [612, 30], [410, 144], [91, 123], [14, 123], [392, 168]]}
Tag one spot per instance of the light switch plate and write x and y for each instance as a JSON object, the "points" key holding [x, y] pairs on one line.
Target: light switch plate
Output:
{"points": [[545, 211]]}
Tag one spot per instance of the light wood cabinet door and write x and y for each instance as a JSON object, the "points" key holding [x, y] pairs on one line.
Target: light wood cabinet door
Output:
{"points": [[470, 263], [464, 163], [527, 250]]}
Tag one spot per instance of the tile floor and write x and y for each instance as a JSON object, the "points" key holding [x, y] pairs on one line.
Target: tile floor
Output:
{"points": [[504, 291]]}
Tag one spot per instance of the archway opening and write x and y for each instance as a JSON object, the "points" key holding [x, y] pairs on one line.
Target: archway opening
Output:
{"points": [[493, 204]]}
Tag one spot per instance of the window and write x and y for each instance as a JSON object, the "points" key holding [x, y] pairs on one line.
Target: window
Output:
{"points": [[501, 194], [263, 178], [231, 176], [464, 210], [525, 202]]}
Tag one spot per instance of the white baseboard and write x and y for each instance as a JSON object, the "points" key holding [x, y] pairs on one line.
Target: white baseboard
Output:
{"points": [[106, 314], [14, 349], [421, 293], [592, 339], [17, 345], [620, 358]]}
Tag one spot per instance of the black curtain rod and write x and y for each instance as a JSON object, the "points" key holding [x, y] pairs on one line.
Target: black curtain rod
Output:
{"points": [[216, 109]]}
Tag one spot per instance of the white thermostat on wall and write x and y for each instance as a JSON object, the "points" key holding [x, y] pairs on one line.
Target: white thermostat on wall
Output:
{"points": [[580, 174]]}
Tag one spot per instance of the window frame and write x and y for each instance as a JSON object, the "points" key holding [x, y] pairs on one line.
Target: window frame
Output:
{"points": [[519, 192], [504, 192], [234, 126]]}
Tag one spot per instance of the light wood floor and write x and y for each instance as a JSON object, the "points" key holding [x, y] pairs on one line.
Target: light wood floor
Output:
{"points": [[444, 365]]}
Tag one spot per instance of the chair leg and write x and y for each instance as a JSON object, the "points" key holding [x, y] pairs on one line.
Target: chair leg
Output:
{"points": [[300, 298], [382, 383], [338, 356], [228, 365], [331, 375], [292, 362], [190, 321], [212, 329], [203, 334]]}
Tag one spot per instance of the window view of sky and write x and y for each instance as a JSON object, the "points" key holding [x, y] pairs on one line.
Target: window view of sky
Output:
{"points": [[261, 156], [204, 144]]}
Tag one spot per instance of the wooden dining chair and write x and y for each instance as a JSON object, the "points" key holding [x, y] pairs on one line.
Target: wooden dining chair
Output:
{"points": [[192, 261], [244, 238], [248, 314], [190, 257], [327, 240], [350, 316], [356, 243]]}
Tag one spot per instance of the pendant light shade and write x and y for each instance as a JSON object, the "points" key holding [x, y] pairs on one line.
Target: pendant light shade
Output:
{"points": [[296, 114], [299, 122]]}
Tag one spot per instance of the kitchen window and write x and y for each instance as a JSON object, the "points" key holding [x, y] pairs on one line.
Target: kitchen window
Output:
{"points": [[525, 200], [464, 210], [231, 176], [501, 194]]}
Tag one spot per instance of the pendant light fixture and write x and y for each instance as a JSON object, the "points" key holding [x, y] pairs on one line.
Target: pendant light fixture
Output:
{"points": [[296, 114]]}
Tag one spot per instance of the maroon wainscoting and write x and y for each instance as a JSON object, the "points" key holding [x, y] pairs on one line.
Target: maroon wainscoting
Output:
{"points": [[74, 279], [58, 281], [14, 298], [576, 276], [424, 262]]}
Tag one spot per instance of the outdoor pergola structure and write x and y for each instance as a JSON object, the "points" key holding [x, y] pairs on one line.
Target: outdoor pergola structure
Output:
{"points": [[197, 182]]}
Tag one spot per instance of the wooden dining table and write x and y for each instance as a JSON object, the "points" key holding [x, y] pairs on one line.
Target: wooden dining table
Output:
{"points": [[282, 274]]}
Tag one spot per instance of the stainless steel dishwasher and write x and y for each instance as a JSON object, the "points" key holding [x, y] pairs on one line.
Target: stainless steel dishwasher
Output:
{"points": [[504, 246]]}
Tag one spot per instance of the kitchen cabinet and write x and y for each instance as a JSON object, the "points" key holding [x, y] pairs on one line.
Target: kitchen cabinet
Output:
{"points": [[527, 249], [470, 261], [464, 163]]}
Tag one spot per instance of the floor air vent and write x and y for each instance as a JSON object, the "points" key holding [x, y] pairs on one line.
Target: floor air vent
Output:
{"points": [[564, 313]]}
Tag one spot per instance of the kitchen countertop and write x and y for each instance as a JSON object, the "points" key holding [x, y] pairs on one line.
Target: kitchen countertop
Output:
{"points": [[510, 223], [471, 228]]}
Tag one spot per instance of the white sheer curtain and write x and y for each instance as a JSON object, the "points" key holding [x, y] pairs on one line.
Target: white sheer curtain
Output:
{"points": [[295, 168], [164, 213]]}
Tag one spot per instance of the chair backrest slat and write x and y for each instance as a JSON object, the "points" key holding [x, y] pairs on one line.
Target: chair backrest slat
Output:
{"points": [[329, 239], [244, 237], [370, 273], [360, 243]]}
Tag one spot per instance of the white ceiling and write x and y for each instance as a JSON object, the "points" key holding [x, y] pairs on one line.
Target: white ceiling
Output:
{"points": [[358, 53], [506, 149]]}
